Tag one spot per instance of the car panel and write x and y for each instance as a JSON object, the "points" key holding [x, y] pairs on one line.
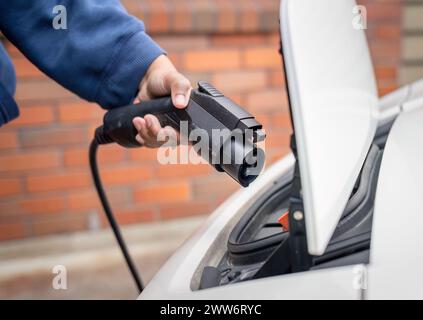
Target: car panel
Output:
{"points": [[395, 257], [334, 106]]}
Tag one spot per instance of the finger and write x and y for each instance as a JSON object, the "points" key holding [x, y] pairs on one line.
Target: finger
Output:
{"points": [[172, 134], [144, 94], [167, 135], [138, 123], [145, 136], [153, 125], [141, 125], [180, 89], [137, 100], [139, 139]]}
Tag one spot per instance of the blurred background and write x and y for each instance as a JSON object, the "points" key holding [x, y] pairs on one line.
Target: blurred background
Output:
{"points": [[49, 211]]}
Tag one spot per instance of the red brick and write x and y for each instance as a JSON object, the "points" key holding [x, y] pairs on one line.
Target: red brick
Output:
{"points": [[76, 157], [132, 6], [10, 187], [195, 77], [386, 72], [176, 59], [276, 139], [249, 17], [41, 90], [183, 210], [46, 137], [181, 17], [106, 154], [204, 15], [8, 140], [262, 58], [25, 69], [282, 120], [269, 100], [34, 116], [77, 112], [43, 205], [226, 19], [142, 155], [130, 216], [387, 31], [182, 42], [237, 98], [275, 155], [9, 231], [212, 60], [83, 200], [385, 89], [277, 79], [125, 175], [183, 170], [219, 46], [158, 19], [91, 131], [12, 50], [237, 40], [385, 51], [59, 225], [60, 181], [384, 11], [265, 120], [29, 161], [165, 192], [274, 39], [240, 81], [211, 188]]}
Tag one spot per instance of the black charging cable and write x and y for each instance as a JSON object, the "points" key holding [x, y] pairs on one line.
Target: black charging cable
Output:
{"points": [[110, 217], [208, 108]]}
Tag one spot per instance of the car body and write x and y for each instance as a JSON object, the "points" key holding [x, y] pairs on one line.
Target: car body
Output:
{"points": [[360, 162]]}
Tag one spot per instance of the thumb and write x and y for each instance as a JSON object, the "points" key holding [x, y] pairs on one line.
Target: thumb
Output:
{"points": [[180, 88]]}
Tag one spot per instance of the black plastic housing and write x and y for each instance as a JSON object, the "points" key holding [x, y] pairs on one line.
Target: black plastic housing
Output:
{"points": [[209, 110]]}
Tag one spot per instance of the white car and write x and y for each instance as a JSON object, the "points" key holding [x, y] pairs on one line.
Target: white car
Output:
{"points": [[353, 187]]}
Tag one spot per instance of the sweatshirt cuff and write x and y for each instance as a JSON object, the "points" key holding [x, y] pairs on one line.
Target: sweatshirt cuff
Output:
{"points": [[119, 86]]}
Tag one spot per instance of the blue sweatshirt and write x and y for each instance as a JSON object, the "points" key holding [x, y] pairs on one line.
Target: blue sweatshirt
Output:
{"points": [[101, 56]]}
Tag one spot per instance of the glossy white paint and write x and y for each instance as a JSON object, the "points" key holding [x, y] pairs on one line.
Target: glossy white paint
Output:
{"points": [[391, 104], [415, 96], [179, 277], [334, 106], [182, 271], [339, 283], [395, 270]]}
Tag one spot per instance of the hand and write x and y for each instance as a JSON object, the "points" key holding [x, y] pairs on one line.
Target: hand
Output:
{"points": [[161, 79]]}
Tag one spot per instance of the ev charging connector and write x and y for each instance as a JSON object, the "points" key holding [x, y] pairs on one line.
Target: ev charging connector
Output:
{"points": [[208, 109]]}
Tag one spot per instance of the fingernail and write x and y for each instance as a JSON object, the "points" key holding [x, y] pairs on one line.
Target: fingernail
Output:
{"points": [[180, 100], [139, 139], [148, 121], [136, 124]]}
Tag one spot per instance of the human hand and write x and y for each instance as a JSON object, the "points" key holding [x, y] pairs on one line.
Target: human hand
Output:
{"points": [[161, 79]]}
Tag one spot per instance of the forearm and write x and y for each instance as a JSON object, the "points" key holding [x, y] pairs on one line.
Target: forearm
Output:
{"points": [[101, 56]]}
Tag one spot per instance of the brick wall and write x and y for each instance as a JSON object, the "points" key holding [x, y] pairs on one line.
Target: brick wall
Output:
{"points": [[412, 42], [45, 184]]}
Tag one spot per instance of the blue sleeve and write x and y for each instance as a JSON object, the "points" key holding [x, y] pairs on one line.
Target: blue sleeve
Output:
{"points": [[101, 56]]}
